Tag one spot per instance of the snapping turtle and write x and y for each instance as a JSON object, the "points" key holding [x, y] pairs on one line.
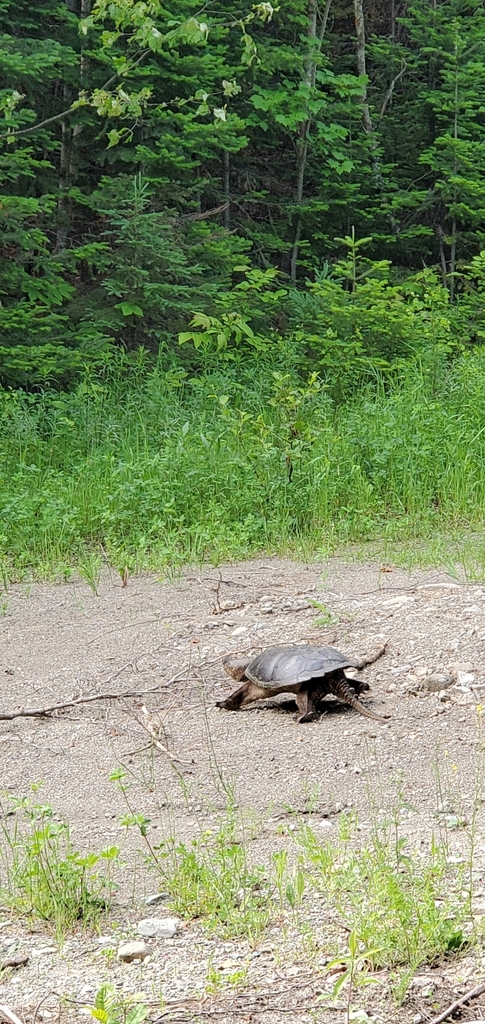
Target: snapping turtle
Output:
{"points": [[308, 671]]}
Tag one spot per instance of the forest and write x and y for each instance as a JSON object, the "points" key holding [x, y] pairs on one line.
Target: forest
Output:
{"points": [[242, 278]]}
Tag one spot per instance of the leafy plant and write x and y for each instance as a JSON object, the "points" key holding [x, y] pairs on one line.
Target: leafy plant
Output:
{"points": [[355, 965], [44, 876], [111, 1008], [405, 909]]}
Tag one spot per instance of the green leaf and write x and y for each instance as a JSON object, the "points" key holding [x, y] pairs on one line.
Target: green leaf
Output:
{"points": [[129, 308]]}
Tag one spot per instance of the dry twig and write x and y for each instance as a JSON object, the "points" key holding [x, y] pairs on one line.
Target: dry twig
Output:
{"points": [[8, 716], [153, 726], [10, 1015], [477, 991]]}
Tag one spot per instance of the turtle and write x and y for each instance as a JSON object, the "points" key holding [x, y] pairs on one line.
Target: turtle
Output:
{"points": [[308, 671]]}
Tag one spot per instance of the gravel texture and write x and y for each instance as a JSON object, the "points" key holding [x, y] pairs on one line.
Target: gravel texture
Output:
{"points": [[62, 642]]}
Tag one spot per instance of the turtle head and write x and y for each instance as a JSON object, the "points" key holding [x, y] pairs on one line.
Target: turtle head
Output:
{"points": [[235, 665]]}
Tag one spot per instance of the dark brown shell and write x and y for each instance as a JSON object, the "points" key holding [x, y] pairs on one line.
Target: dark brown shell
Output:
{"points": [[286, 665]]}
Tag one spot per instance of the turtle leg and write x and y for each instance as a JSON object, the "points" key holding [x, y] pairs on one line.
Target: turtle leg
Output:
{"points": [[358, 685], [306, 705], [245, 695]]}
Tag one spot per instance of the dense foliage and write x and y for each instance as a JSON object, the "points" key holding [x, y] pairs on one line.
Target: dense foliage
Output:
{"points": [[196, 199], [147, 154]]}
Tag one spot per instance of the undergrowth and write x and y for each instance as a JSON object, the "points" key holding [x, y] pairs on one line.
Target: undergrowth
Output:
{"points": [[43, 876], [148, 468], [404, 906]]}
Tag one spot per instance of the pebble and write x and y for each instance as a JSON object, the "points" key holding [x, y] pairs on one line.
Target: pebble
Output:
{"points": [[464, 678], [228, 965], [158, 927], [158, 897], [462, 666], [239, 630], [129, 951], [437, 681]]}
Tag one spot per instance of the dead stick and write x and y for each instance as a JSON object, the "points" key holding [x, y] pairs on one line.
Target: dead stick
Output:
{"points": [[477, 991], [39, 712], [151, 728]]}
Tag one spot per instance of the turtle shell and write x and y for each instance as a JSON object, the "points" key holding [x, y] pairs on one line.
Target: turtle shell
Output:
{"points": [[289, 666]]}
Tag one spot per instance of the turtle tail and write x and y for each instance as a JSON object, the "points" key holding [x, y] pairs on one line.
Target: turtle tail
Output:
{"points": [[342, 690]]}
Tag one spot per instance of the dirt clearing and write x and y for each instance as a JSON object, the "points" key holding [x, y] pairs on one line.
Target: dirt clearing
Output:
{"points": [[63, 642]]}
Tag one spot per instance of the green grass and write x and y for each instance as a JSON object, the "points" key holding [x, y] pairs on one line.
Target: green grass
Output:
{"points": [[150, 468], [404, 906], [42, 875]]}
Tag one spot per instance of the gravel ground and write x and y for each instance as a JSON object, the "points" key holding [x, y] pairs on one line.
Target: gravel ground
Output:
{"points": [[167, 637]]}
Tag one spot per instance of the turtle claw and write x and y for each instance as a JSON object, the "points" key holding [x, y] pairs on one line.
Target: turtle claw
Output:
{"points": [[310, 716]]}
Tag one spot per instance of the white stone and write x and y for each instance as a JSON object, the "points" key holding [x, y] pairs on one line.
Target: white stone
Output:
{"points": [[158, 927], [465, 678], [129, 951]]}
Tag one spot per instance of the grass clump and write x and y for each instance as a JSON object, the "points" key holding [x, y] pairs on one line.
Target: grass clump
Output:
{"points": [[408, 908], [212, 878], [43, 876]]}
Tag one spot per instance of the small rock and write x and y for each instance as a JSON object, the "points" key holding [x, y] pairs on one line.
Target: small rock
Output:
{"points": [[437, 681], [239, 630], [158, 927], [15, 961], [464, 678], [445, 808], [266, 599], [158, 897], [129, 951], [462, 666], [266, 609], [228, 965]]}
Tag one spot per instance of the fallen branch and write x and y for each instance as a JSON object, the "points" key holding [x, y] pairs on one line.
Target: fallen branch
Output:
{"points": [[8, 716], [477, 991], [10, 1015], [153, 726]]}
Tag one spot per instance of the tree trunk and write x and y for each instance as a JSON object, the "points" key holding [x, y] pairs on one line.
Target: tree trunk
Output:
{"points": [[67, 167], [362, 70], [227, 190], [314, 32], [361, 62]]}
